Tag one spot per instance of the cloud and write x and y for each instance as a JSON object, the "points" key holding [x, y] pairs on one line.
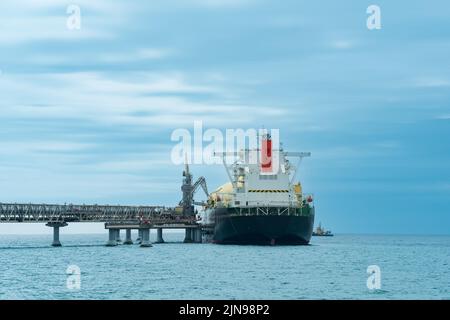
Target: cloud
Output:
{"points": [[432, 82], [22, 30], [342, 44], [138, 99], [29, 146], [222, 3], [31, 21], [140, 54], [145, 162], [45, 185], [387, 144], [61, 59]]}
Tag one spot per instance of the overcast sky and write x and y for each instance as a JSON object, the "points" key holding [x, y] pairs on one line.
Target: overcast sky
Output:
{"points": [[86, 115]]}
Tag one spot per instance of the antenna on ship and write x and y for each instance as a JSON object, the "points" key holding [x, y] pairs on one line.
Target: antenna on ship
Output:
{"points": [[300, 156]]}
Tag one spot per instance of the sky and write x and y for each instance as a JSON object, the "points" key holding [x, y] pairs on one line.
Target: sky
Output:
{"points": [[86, 115]]}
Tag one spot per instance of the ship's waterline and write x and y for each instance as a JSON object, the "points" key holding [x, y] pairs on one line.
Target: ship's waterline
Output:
{"points": [[263, 230]]}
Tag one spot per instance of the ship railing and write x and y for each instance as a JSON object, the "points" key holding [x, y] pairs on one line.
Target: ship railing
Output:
{"points": [[308, 195], [271, 203], [271, 211]]}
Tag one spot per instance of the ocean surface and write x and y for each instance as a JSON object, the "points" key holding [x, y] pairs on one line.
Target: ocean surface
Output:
{"points": [[412, 267]]}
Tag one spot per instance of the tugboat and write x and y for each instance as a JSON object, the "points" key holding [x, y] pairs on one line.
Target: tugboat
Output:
{"points": [[321, 232], [261, 205]]}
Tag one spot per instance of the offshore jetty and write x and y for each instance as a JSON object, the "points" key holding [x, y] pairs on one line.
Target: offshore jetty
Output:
{"points": [[117, 218]]}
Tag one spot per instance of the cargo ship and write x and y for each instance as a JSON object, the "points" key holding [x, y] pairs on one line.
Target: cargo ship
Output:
{"points": [[261, 204]]}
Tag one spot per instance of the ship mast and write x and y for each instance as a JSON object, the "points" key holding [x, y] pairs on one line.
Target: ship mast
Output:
{"points": [[300, 156], [245, 154]]}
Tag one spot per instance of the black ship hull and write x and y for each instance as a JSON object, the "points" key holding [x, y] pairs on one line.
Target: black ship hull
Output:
{"points": [[263, 229]]}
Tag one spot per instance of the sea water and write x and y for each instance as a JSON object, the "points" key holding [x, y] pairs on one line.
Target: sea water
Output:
{"points": [[410, 267]]}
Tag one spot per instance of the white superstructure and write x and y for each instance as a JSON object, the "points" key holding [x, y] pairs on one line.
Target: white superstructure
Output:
{"points": [[260, 178]]}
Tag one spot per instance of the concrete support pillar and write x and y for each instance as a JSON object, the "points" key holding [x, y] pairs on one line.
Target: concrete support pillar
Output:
{"points": [[128, 237], [159, 235], [197, 235], [56, 226], [194, 235], [188, 236], [139, 238], [56, 242], [146, 238], [200, 234], [112, 240], [118, 236]]}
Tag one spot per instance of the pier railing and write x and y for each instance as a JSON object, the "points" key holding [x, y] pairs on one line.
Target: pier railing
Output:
{"points": [[13, 212]]}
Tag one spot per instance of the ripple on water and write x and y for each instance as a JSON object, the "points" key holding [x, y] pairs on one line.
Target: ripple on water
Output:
{"points": [[331, 268]]}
